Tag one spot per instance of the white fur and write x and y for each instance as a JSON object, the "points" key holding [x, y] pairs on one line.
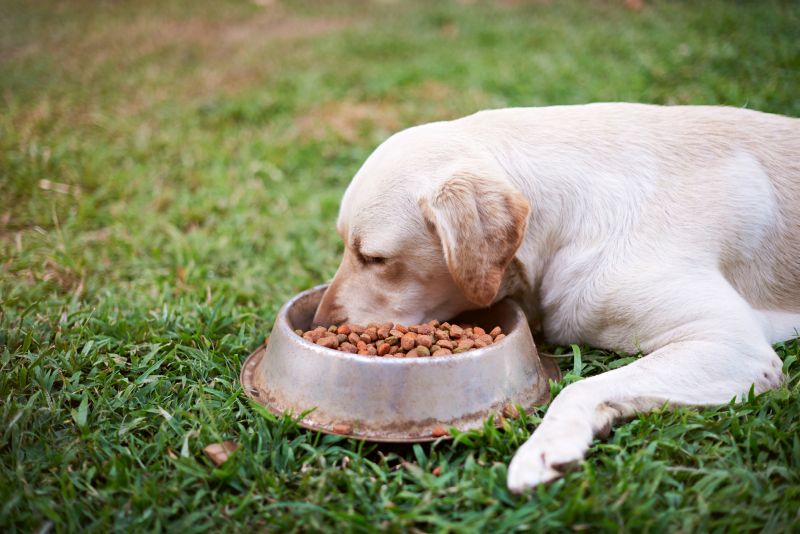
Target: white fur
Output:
{"points": [[671, 231]]}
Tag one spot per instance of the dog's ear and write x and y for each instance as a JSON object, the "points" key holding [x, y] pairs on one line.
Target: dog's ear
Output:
{"points": [[481, 222]]}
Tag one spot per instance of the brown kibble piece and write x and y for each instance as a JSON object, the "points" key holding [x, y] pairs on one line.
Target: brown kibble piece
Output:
{"points": [[344, 329], [412, 354], [400, 328], [424, 340], [439, 431], [442, 334], [445, 343], [499, 337], [442, 352], [371, 350], [425, 329], [392, 340], [348, 347], [357, 328], [383, 349], [478, 331], [408, 341], [314, 335], [365, 338], [422, 350], [466, 343], [341, 338], [383, 331], [393, 349], [372, 332], [353, 338], [456, 331], [483, 341], [495, 332], [328, 341], [342, 428]]}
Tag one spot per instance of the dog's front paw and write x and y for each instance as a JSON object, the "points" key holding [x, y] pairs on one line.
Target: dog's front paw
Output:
{"points": [[529, 470], [543, 458]]}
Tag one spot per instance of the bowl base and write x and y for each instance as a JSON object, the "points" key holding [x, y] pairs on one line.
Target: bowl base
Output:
{"points": [[397, 434]]}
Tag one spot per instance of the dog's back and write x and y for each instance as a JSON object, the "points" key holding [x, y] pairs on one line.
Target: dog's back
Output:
{"points": [[726, 179]]}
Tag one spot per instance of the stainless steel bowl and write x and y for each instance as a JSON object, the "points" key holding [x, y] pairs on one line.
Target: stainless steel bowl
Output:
{"points": [[395, 399]]}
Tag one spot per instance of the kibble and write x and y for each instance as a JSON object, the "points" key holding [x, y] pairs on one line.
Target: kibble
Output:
{"points": [[328, 341], [408, 341], [342, 428], [344, 329], [424, 340], [391, 340], [439, 432]]}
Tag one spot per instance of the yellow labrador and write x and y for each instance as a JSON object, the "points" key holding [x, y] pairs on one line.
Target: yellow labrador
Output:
{"points": [[674, 231]]}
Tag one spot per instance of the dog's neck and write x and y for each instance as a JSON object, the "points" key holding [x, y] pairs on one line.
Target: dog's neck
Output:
{"points": [[517, 286]]}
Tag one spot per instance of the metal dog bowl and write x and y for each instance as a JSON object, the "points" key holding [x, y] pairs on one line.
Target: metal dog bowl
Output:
{"points": [[395, 399]]}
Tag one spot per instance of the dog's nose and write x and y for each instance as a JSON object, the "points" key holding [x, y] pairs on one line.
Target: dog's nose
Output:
{"points": [[326, 321], [329, 311]]}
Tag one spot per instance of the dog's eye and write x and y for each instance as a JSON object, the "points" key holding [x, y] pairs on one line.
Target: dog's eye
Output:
{"points": [[373, 260]]}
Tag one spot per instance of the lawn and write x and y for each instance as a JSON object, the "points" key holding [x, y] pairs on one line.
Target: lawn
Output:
{"points": [[170, 174]]}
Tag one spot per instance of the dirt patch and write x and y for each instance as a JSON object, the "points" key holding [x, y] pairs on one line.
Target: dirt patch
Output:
{"points": [[148, 60], [347, 119], [351, 120]]}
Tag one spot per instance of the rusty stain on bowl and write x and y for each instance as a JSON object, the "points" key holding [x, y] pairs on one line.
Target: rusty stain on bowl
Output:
{"points": [[395, 400]]}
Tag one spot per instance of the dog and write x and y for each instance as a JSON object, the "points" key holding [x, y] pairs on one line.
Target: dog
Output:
{"points": [[668, 231]]}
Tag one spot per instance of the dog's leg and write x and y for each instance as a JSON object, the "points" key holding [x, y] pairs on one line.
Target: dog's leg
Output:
{"points": [[712, 348], [779, 326]]}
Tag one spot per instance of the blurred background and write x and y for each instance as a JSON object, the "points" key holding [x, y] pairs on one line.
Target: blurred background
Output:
{"points": [[160, 147]]}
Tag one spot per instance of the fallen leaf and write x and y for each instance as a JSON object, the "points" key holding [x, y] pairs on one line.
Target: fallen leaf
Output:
{"points": [[510, 411], [219, 452]]}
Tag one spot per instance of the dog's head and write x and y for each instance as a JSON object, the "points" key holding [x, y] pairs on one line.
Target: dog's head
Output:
{"points": [[429, 229]]}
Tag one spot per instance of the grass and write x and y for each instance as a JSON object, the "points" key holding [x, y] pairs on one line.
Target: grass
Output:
{"points": [[170, 174]]}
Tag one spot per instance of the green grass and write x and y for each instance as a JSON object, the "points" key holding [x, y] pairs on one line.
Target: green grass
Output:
{"points": [[170, 174]]}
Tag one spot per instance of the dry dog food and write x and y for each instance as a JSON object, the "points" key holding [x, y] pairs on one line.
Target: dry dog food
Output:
{"points": [[397, 341]]}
